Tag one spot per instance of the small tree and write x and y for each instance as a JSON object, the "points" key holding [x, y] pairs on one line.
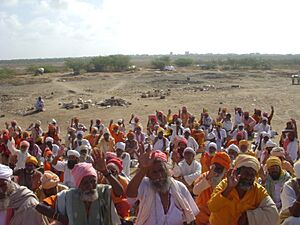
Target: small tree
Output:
{"points": [[183, 62], [161, 62], [77, 65]]}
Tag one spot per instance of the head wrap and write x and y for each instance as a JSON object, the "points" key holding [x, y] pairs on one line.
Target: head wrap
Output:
{"points": [[296, 168], [159, 155], [25, 143], [270, 144], [38, 122], [32, 159], [94, 129], [48, 153], [243, 142], [74, 153], [278, 151], [265, 134], [5, 172], [264, 119], [119, 120], [49, 139], [130, 135], [211, 136], [241, 125], [223, 159], [189, 149], [212, 144], [110, 155], [106, 131], [160, 129], [80, 132], [117, 162], [49, 180], [55, 149], [51, 127], [121, 145], [273, 161], [219, 124], [114, 126], [82, 170], [245, 160], [53, 121], [182, 140], [234, 148], [187, 130]]}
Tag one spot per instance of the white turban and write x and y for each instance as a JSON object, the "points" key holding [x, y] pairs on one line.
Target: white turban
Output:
{"points": [[189, 149], [212, 144], [49, 139], [5, 172], [211, 136], [297, 169], [187, 130], [55, 149], [74, 153], [270, 144], [120, 145], [234, 148], [245, 160]]}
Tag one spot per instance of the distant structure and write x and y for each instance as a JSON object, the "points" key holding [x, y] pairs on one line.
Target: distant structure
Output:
{"points": [[171, 53], [187, 53], [295, 79]]}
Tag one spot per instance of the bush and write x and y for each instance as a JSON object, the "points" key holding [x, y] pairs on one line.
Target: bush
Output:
{"points": [[184, 62], [112, 63], [77, 65], [161, 62], [6, 72], [47, 69]]}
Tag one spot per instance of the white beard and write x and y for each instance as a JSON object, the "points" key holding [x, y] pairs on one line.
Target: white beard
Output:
{"points": [[4, 203], [89, 196], [161, 186], [216, 180]]}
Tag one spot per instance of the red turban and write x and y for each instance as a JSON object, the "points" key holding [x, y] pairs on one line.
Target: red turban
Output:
{"points": [[116, 162], [159, 155]]}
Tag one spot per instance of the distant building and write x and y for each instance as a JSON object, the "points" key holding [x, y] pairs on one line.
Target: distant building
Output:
{"points": [[171, 53], [187, 53]]}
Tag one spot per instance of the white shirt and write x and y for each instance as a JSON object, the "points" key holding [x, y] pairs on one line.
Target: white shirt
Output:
{"points": [[174, 216], [159, 144], [68, 178], [288, 197], [126, 163], [21, 156], [189, 172], [220, 141], [192, 143], [174, 132], [227, 125], [293, 149]]}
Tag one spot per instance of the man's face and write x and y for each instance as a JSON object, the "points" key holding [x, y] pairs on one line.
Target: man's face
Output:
{"points": [[212, 151], [79, 136], [189, 157], [72, 161], [266, 138], [182, 145], [106, 136], [264, 122], [29, 167], [88, 189], [241, 128], [49, 144], [232, 154], [112, 168], [274, 172], [247, 178], [291, 136], [119, 152], [98, 122], [23, 148], [186, 135], [5, 191], [116, 130], [83, 152], [160, 135], [50, 192], [244, 148], [13, 124], [159, 177]]}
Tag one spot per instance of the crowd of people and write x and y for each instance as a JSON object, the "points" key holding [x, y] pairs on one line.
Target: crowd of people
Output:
{"points": [[220, 169]]}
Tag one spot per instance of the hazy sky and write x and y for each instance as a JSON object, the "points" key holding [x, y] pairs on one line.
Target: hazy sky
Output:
{"points": [[60, 28]]}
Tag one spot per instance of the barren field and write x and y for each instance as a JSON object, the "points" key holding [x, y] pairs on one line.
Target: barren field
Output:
{"points": [[196, 89]]}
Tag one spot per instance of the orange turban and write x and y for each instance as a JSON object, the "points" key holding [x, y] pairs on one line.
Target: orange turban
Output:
{"points": [[32, 159], [243, 142], [49, 180], [273, 161], [223, 159], [130, 135]]}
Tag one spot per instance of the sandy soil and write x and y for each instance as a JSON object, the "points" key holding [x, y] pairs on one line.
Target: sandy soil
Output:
{"points": [[259, 89]]}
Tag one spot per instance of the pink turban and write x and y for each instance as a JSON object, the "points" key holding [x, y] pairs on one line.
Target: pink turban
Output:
{"points": [[82, 170], [25, 143], [159, 155]]}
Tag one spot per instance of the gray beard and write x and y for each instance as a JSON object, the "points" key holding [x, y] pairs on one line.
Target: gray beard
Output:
{"points": [[216, 180], [161, 186], [89, 196]]}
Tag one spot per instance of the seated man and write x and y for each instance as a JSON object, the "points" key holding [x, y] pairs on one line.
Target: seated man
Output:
{"points": [[19, 199], [239, 199], [205, 184], [187, 170], [206, 157], [275, 179], [39, 105], [290, 197], [163, 199]]}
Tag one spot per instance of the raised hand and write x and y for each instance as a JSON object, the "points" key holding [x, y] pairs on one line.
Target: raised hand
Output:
{"points": [[99, 161], [232, 179], [145, 159], [92, 122], [211, 173]]}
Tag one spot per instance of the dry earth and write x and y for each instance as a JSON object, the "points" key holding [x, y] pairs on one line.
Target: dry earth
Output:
{"points": [[259, 89]]}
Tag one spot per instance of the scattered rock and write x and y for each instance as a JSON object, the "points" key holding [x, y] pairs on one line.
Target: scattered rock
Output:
{"points": [[113, 102], [1, 116], [235, 86]]}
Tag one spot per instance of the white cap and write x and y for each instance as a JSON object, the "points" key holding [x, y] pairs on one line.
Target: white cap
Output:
{"points": [[212, 144], [53, 121], [80, 132], [265, 134], [211, 136], [55, 149], [264, 119], [106, 131], [74, 153], [189, 149], [120, 145], [49, 139], [241, 125], [270, 144], [83, 147], [187, 130], [234, 148], [38, 122], [297, 169], [119, 121]]}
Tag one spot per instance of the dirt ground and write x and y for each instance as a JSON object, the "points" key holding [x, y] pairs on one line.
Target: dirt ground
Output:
{"points": [[196, 89]]}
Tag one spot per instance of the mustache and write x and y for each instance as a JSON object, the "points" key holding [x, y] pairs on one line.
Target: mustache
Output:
{"points": [[89, 196], [162, 185]]}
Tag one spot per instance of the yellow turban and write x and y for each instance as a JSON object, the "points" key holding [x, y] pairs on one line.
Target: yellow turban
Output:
{"points": [[49, 180], [273, 161], [247, 161], [243, 142], [32, 159]]}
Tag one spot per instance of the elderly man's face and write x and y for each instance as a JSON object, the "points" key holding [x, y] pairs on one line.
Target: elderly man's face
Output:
{"points": [[247, 178], [88, 189], [232, 154], [189, 157], [29, 167], [23, 148], [6, 189], [274, 172], [212, 151], [113, 169], [159, 177]]}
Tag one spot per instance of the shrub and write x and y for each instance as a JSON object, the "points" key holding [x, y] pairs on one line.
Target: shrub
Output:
{"points": [[77, 65], [184, 62], [112, 63], [161, 62], [6, 72]]}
